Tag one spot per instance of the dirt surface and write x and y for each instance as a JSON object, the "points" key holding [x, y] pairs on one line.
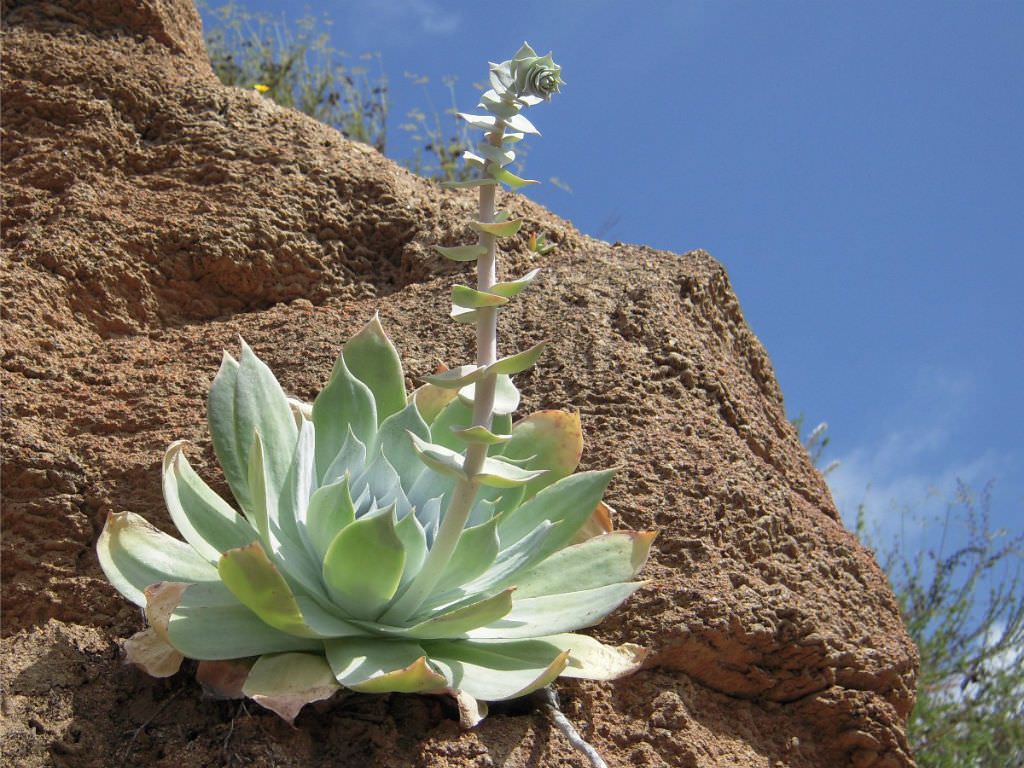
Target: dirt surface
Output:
{"points": [[152, 215]]}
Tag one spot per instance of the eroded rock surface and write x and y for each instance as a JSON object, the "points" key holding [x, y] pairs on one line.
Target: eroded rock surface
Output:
{"points": [[151, 215]]}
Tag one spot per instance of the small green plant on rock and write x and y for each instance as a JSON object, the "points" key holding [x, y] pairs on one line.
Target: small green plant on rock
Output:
{"points": [[386, 542]]}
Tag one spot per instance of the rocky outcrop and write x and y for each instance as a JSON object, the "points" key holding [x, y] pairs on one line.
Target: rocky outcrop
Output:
{"points": [[151, 215]]}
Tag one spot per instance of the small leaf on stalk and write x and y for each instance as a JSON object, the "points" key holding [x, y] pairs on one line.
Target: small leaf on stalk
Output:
{"points": [[521, 124], [479, 434], [464, 296], [461, 252], [497, 155], [458, 377], [500, 474], [515, 182], [518, 362], [439, 458], [464, 315], [506, 396], [511, 288], [494, 104], [473, 159], [483, 122], [497, 228]]}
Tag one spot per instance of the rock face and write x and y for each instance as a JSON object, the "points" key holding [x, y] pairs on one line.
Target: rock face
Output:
{"points": [[151, 215]]}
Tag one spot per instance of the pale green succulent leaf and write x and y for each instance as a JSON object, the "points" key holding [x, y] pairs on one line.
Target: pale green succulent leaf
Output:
{"points": [[461, 252], [570, 500], [393, 442], [258, 584], [133, 555], [414, 542], [600, 561], [500, 474], [482, 122], [431, 399], [262, 407], [493, 103], [506, 176], [474, 554], [522, 125], [464, 296], [345, 404], [473, 159], [495, 672], [479, 434], [593, 660], [330, 510], [207, 522], [298, 487], [350, 460], [469, 183], [519, 362], [438, 457], [373, 359], [460, 621], [506, 396], [554, 614], [512, 288], [465, 316], [285, 682], [497, 228], [379, 665], [232, 456], [551, 440], [497, 155], [458, 377], [363, 566], [261, 496], [206, 622]]}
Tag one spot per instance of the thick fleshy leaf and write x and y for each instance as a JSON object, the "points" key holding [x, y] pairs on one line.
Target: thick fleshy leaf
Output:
{"points": [[500, 474], [414, 543], [151, 653], [379, 665], [465, 316], [464, 296], [261, 494], [608, 559], [393, 442], [551, 440], [474, 554], [494, 104], [345, 405], [497, 155], [473, 159], [518, 362], [298, 487], [351, 460], [330, 510], [506, 396], [570, 500], [515, 182], [233, 458], [133, 554], [599, 523], [462, 252], [497, 228], [480, 434], [363, 566], [257, 583], [373, 359], [483, 122], [457, 377], [521, 124], [206, 521], [514, 287], [592, 660], [206, 622], [496, 672], [554, 614], [430, 399], [438, 457], [285, 682], [460, 621]]}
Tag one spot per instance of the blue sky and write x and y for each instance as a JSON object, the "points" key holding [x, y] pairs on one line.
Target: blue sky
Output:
{"points": [[857, 167]]}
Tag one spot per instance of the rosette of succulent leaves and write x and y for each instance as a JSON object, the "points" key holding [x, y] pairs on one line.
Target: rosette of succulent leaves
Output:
{"points": [[380, 541]]}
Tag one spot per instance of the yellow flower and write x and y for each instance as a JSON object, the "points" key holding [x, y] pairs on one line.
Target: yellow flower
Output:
{"points": [[261, 88]]}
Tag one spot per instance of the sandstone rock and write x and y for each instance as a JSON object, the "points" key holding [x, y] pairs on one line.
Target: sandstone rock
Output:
{"points": [[151, 215]]}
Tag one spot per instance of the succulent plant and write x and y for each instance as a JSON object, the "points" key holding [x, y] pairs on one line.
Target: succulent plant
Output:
{"points": [[384, 541]]}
